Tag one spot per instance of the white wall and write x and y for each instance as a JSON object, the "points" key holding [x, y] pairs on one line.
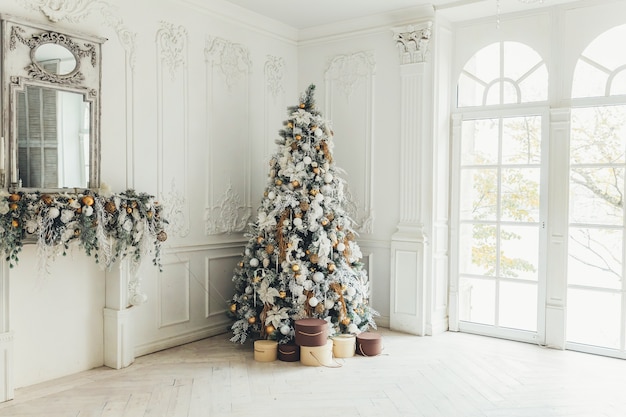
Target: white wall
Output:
{"points": [[173, 127]]}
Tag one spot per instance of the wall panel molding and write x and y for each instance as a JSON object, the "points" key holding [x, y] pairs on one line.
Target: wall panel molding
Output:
{"points": [[173, 124], [346, 76], [228, 207]]}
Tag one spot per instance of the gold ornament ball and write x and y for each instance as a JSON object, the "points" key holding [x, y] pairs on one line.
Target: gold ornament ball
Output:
{"points": [[290, 125], [282, 294], [324, 222], [295, 268], [269, 249], [15, 197], [162, 236], [314, 258], [88, 200], [302, 105], [304, 206], [259, 239], [240, 264], [15, 223], [279, 182], [298, 137], [295, 183], [269, 329], [233, 308], [110, 207], [13, 206], [316, 170], [46, 199], [331, 268], [252, 320], [129, 210], [345, 321]]}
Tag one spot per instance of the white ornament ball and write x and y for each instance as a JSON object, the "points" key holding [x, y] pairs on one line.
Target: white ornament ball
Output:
{"points": [[297, 222], [313, 301], [308, 285], [328, 303], [341, 246], [247, 252], [248, 290], [307, 160], [328, 178], [351, 291], [352, 328], [319, 197], [53, 213], [305, 146], [88, 211], [266, 262], [254, 262], [271, 195], [318, 277], [284, 329], [318, 132]]}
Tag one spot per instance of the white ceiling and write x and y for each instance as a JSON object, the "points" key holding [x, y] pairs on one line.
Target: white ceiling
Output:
{"points": [[302, 14]]}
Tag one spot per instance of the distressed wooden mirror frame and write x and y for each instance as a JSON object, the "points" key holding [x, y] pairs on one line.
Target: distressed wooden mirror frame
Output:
{"points": [[20, 70]]}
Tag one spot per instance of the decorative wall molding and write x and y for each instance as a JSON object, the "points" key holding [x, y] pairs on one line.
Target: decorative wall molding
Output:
{"points": [[215, 301], [74, 11], [172, 44], [172, 103], [346, 74], [348, 70], [232, 59], [174, 203], [228, 215], [413, 42], [228, 65], [274, 74]]}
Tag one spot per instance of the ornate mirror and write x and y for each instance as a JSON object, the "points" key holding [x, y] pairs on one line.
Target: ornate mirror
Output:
{"points": [[51, 82]]}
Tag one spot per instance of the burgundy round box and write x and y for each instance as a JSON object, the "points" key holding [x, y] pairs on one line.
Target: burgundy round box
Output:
{"points": [[369, 344], [289, 352], [311, 332]]}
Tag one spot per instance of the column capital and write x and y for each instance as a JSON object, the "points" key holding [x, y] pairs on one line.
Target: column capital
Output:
{"points": [[413, 41]]}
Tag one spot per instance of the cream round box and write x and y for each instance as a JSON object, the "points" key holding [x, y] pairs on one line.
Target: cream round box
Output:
{"points": [[317, 355], [344, 345], [265, 350]]}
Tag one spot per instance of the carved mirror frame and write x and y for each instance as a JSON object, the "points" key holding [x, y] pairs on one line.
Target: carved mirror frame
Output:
{"points": [[21, 69]]}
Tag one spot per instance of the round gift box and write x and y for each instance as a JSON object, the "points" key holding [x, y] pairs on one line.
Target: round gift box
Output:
{"points": [[289, 352], [344, 345], [369, 344], [317, 355], [265, 350], [311, 332]]}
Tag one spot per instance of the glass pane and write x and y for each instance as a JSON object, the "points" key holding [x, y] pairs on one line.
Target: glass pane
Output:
{"points": [[485, 64], [521, 140], [493, 94], [477, 249], [588, 81], [618, 85], [510, 93], [596, 196], [518, 60], [479, 144], [519, 252], [602, 49], [518, 306], [535, 86], [520, 194], [598, 135], [593, 318], [595, 257], [479, 195], [469, 91], [476, 300]]}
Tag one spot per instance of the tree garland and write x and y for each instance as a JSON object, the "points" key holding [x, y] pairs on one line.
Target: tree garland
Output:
{"points": [[108, 227]]}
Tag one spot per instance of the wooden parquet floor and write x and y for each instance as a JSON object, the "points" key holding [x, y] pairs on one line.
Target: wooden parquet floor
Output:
{"points": [[448, 375]]}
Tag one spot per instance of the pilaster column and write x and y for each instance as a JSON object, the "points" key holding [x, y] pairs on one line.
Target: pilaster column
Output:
{"points": [[119, 343], [409, 256]]}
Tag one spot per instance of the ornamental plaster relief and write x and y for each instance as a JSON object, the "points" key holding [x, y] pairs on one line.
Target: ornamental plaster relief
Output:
{"points": [[172, 44], [228, 215], [413, 42], [232, 59], [274, 74]]}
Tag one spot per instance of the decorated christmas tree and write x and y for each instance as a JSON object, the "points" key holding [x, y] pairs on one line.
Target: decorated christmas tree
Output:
{"points": [[301, 259]]}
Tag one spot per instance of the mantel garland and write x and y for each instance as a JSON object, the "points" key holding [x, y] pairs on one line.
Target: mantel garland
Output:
{"points": [[108, 226]]}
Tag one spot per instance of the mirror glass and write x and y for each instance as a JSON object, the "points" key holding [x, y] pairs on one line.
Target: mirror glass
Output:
{"points": [[53, 137], [55, 59]]}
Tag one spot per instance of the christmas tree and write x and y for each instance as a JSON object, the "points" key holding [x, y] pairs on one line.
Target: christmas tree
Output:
{"points": [[301, 259]]}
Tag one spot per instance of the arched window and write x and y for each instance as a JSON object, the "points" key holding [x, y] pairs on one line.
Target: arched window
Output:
{"points": [[596, 292], [499, 148], [601, 68], [503, 73]]}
